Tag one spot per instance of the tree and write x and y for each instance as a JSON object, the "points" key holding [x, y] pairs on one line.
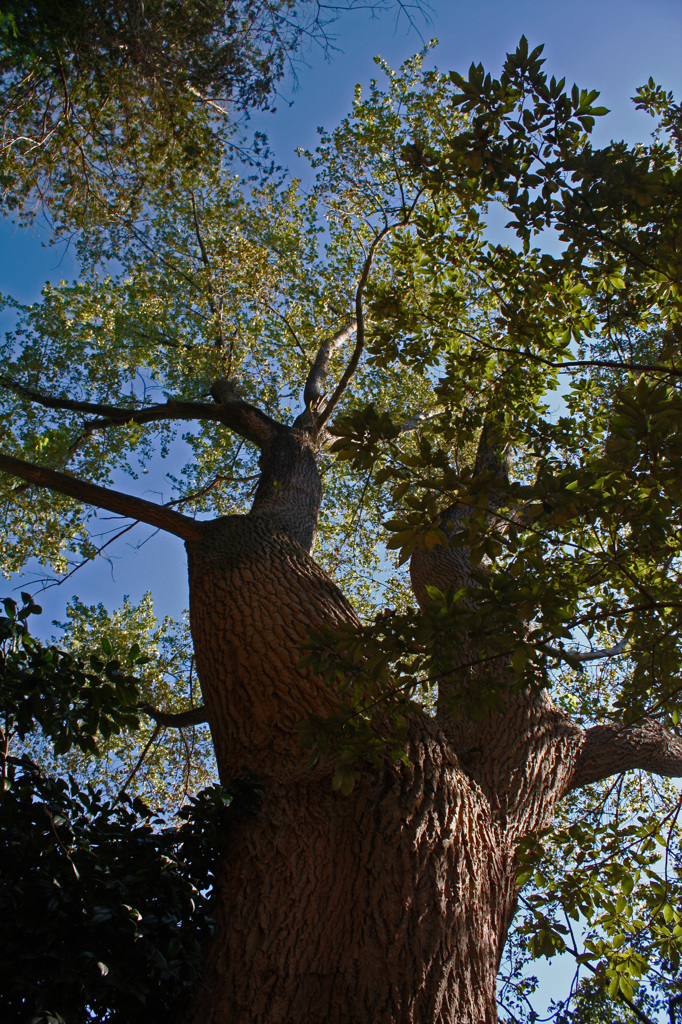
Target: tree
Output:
{"points": [[381, 875], [165, 81]]}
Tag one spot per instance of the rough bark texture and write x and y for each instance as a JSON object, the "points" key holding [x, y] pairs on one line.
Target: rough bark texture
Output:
{"points": [[393, 904], [390, 905], [610, 749]]}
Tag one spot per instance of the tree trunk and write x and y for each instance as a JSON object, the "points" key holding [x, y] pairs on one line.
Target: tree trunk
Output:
{"points": [[392, 904]]}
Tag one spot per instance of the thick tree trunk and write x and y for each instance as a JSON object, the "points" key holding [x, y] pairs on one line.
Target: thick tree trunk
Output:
{"points": [[392, 904]]}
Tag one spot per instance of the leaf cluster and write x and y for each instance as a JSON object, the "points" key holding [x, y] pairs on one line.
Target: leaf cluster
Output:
{"points": [[603, 887], [105, 904]]}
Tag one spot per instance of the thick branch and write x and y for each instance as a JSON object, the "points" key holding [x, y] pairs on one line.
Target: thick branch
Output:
{"points": [[95, 408], [450, 567], [175, 719], [113, 415], [103, 497], [611, 749], [170, 410], [493, 453], [289, 489], [245, 419], [312, 392]]}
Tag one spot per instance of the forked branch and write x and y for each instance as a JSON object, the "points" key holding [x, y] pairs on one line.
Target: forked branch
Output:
{"points": [[242, 417], [312, 392], [359, 327], [103, 497], [610, 749], [175, 719]]}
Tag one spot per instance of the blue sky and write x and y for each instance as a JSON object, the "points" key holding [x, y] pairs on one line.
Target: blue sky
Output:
{"points": [[602, 44]]}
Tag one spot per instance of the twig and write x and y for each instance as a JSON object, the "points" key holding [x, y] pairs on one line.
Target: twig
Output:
{"points": [[140, 760]]}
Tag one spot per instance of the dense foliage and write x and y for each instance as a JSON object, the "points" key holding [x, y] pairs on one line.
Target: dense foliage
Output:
{"points": [[104, 903], [100, 99]]}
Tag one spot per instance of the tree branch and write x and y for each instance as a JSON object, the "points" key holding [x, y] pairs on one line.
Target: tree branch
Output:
{"points": [[582, 656], [245, 419], [418, 419], [113, 415], [578, 364], [69, 404], [216, 310], [103, 497], [312, 393], [493, 453], [360, 329], [175, 719], [611, 749]]}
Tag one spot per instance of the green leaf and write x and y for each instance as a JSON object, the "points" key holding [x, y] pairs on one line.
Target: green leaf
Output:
{"points": [[519, 659]]}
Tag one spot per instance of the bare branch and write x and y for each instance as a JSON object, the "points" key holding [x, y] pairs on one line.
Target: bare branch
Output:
{"points": [[103, 497], [639, 1014], [572, 656], [359, 328], [175, 719], [359, 311], [140, 761], [217, 311], [46, 583], [312, 392], [610, 749]]}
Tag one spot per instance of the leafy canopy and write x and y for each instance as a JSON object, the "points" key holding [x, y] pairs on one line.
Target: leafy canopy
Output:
{"points": [[100, 99]]}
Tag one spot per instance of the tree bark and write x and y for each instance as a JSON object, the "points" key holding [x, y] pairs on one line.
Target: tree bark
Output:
{"points": [[392, 904]]}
